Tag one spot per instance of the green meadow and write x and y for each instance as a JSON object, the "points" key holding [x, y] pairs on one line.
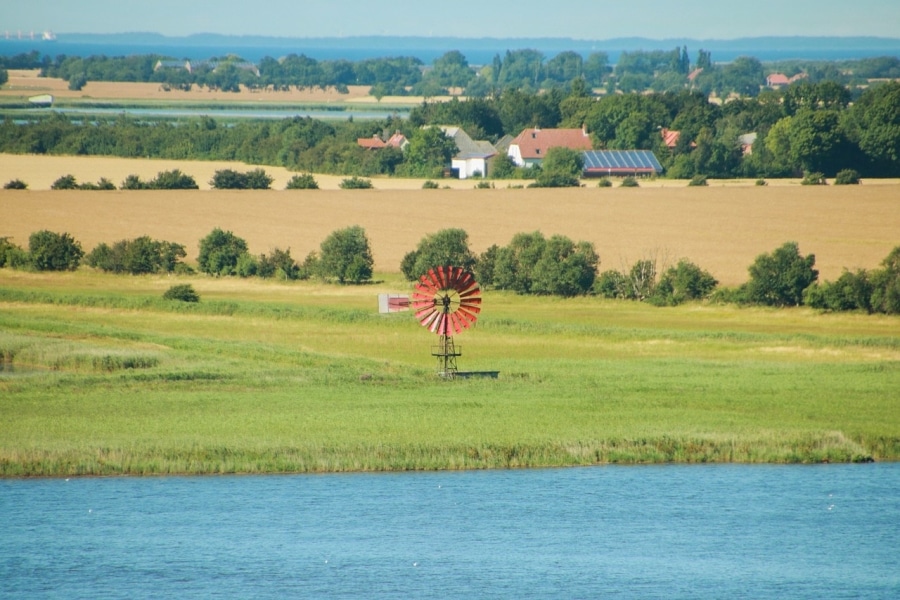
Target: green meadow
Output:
{"points": [[101, 376]]}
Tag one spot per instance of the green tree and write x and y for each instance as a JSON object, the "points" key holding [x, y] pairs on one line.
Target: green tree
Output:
{"points": [[873, 122], [514, 266], [565, 268], [447, 247], [429, 151], [219, 252], [345, 255], [779, 278], [886, 284], [683, 282], [50, 251]]}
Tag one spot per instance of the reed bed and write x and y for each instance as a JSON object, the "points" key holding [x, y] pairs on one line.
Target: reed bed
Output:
{"points": [[101, 376]]}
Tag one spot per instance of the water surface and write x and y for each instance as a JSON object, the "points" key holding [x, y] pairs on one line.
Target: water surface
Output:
{"points": [[724, 531]]}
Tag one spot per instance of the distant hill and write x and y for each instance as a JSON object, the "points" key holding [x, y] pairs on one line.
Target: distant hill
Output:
{"points": [[478, 50]]}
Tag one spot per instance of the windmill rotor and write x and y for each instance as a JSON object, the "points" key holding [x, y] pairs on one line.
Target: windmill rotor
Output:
{"points": [[446, 301]]}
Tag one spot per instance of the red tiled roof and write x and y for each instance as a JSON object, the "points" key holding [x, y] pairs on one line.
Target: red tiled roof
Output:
{"points": [[371, 143], [670, 138], [777, 79], [534, 143], [397, 140]]}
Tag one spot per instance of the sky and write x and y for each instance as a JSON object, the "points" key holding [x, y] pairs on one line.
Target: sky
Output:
{"points": [[577, 19]]}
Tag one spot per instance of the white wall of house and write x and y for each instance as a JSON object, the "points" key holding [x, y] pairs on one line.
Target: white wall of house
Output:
{"points": [[516, 155], [469, 166]]}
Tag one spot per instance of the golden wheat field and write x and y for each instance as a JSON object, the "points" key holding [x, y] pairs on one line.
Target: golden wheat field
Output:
{"points": [[722, 227], [24, 83]]}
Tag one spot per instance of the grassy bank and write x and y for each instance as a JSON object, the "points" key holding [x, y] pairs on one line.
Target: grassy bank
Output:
{"points": [[102, 376]]}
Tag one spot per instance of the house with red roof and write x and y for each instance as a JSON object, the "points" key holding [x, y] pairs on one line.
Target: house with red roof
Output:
{"points": [[776, 80], [530, 147]]}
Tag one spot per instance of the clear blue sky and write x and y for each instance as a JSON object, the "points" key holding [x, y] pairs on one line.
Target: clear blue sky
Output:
{"points": [[579, 19]]}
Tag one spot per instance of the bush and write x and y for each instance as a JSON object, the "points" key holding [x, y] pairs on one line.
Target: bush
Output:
{"points": [[133, 182], [302, 182], [66, 182], [761, 182], [183, 292], [851, 291], [813, 179], [229, 179], [139, 256], [886, 284], [698, 181], [485, 264], [565, 268], [484, 185], [604, 183], [356, 183], [445, 247], [430, 185], [610, 284], [547, 179], [778, 279], [346, 256], [683, 282], [49, 251], [629, 182], [7, 251], [173, 180], [219, 252], [278, 264], [847, 177], [15, 184]]}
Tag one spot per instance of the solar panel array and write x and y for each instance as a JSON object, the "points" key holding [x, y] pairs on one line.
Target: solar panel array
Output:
{"points": [[617, 160]]}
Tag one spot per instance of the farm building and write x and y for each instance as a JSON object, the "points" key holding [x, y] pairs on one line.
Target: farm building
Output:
{"points": [[472, 157], [530, 147], [398, 140], [619, 163]]}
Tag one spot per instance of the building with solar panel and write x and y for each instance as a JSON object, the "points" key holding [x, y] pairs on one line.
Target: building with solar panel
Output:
{"points": [[620, 163]]}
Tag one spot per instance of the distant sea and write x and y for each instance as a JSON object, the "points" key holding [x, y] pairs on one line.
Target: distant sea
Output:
{"points": [[476, 51]]}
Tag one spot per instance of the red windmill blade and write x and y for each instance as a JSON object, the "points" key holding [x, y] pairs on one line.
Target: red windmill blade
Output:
{"points": [[446, 300]]}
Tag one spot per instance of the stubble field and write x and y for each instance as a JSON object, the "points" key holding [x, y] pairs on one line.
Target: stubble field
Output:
{"points": [[722, 227]]}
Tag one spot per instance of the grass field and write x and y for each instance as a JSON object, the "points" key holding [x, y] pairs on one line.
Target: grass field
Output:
{"points": [[722, 228], [101, 376]]}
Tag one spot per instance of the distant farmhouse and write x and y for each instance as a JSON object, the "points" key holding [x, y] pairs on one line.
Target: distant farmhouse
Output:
{"points": [[530, 147], [472, 157], [777, 80], [398, 140]]}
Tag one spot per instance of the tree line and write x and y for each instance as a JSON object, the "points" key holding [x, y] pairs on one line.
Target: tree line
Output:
{"points": [[523, 69], [805, 127], [530, 264]]}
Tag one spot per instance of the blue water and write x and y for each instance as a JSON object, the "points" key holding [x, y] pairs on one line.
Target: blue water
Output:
{"points": [[476, 52], [720, 531]]}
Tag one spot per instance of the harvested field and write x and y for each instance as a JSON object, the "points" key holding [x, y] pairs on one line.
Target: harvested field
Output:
{"points": [[24, 83], [721, 228]]}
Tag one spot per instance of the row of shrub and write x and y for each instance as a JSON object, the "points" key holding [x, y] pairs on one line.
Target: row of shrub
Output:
{"points": [[258, 179], [530, 264], [223, 179]]}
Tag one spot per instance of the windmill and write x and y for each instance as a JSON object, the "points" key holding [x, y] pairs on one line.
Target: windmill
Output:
{"points": [[446, 300]]}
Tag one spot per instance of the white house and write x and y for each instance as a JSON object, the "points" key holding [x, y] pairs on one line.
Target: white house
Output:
{"points": [[472, 157]]}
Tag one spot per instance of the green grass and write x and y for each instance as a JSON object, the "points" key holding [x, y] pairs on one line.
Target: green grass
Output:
{"points": [[102, 376]]}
